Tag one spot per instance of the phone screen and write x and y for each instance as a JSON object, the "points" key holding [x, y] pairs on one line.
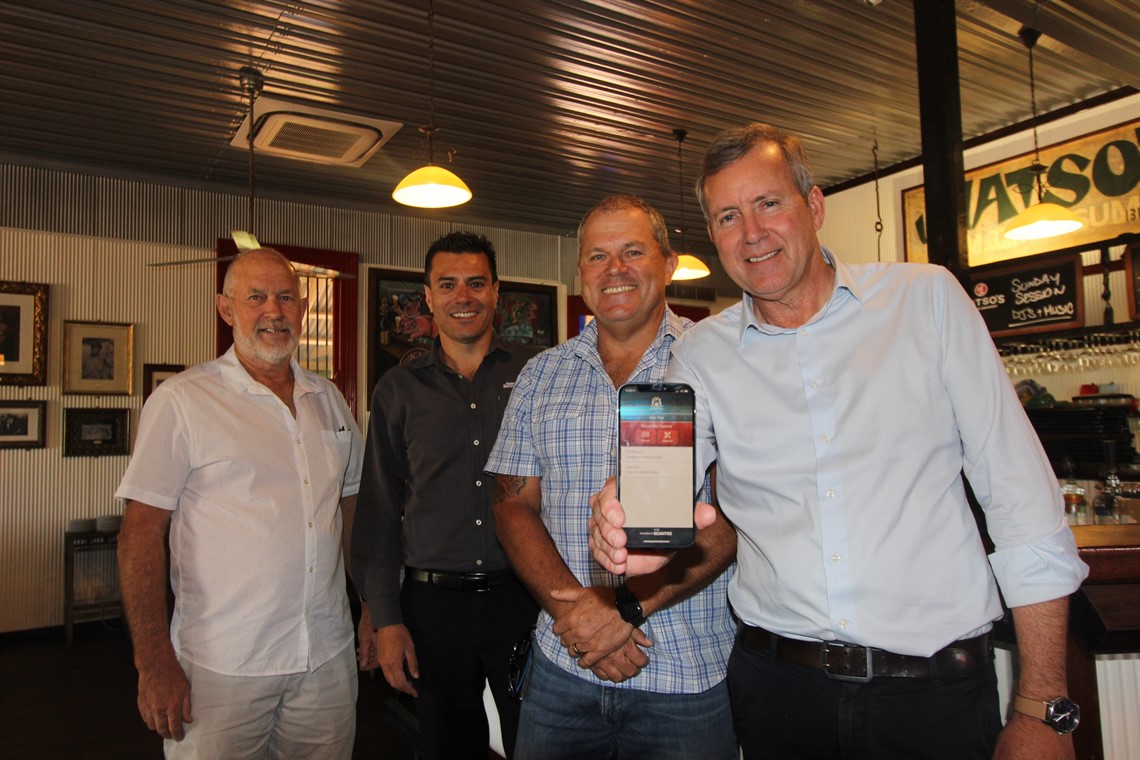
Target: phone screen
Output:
{"points": [[655, 463]]}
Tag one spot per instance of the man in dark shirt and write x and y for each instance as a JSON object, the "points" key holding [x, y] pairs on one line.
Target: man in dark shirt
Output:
{"points": [[425, 507]]}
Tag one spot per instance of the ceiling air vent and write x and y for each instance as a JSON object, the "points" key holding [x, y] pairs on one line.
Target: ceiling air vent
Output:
{"points": [[295, 131]]}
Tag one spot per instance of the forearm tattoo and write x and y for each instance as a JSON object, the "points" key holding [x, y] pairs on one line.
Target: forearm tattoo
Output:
{"points": [[507, 487]]}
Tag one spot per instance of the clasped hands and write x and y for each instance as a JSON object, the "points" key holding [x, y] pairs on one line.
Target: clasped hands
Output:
{"points": [[597, 637]]}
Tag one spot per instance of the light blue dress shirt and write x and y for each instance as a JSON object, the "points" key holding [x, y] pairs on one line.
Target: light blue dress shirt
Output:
{"points": [[841, 445]]}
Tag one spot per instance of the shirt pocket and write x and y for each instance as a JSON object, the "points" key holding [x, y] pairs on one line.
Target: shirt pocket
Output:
{"points": [[338, 450]]}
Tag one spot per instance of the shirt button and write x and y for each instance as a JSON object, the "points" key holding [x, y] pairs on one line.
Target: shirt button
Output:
{"points": [[825, 439], [831, 493], [310, 523], [298, 441], [843, 623], [814, 384], [478, 522], [478, 562], [310, 569], [836, 558], [476, 441], [803, 331], [472, 406], [306, 481], [478, 482]]}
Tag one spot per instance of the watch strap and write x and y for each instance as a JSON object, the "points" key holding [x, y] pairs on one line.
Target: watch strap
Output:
{"points": [[628, 606], [1034, 708]]}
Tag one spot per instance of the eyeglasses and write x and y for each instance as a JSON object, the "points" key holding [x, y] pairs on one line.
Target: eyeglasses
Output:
{"points": [[519, 665]]}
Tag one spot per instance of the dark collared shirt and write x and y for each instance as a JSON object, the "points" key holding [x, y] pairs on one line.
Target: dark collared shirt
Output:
{"points": [[424, 498]]}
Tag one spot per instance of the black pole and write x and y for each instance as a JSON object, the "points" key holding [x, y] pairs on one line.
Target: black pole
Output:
{"points": [[940, 111]]}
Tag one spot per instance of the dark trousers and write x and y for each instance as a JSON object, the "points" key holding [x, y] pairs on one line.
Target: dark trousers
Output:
{"points": [[782, 710], [462, 638]]}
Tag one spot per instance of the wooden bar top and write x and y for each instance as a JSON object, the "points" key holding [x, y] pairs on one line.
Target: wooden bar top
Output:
{"points": [[1112, 552]]}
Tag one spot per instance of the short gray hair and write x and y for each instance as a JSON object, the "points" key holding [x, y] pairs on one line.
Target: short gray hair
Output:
{"points": [[731, 145], [228, 282], [620, 202]]}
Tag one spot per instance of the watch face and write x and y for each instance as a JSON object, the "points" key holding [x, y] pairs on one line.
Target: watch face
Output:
{"points": [[1064, 715]]}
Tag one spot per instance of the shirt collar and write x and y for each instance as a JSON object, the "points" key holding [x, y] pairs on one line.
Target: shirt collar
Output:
{"points": [[498, 345], [672, 327], [844, 283], [236, 376]]}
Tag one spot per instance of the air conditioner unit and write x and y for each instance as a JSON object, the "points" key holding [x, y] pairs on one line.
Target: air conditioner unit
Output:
{"points": [[312, 134]]}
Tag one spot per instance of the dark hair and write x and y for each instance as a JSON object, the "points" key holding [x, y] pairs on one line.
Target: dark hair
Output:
{"points": [[461, 242], [731, 145], [619, 202]]}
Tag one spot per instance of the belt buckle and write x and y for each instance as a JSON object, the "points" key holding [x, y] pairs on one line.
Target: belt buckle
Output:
{"points": [[868, 673]]}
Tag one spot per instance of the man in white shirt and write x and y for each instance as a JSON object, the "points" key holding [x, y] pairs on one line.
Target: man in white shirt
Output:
{"points": [[252, 464], [843, 404]]}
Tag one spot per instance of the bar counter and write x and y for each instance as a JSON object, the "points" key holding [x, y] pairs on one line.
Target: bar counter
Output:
{"points": [[1104, 618]]}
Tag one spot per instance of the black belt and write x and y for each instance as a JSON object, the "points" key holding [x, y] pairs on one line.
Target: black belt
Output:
{"points": [[850, 662], [461, 581]]}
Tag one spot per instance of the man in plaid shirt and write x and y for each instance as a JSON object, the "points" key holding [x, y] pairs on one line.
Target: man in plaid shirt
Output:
{"points": [[618, 671]]}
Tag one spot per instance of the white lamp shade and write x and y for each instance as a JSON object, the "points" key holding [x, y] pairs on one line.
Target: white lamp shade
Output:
{"points": [[1043, 220], [431, 187], [689, 267]]}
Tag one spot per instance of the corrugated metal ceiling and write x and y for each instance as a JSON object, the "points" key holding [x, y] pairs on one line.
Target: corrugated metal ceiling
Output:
{"points": [[548, 105]]}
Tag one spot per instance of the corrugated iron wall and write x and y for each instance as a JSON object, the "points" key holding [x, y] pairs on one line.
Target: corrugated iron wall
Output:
{"points": [[91, 240]]}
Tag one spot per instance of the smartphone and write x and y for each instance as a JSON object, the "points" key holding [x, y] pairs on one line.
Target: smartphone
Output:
{"points": [[655, 464]]}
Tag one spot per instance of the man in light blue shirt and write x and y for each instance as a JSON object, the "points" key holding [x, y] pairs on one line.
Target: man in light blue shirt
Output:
{"points": [[842, 405], [618, 671]]}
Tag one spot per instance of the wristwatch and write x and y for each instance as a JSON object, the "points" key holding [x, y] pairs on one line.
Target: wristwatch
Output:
{"points": [[628, 606], [1060, 713]]}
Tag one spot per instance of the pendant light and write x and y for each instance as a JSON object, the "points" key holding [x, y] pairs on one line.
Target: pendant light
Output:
{"points": [[1042, 219], [689, 267], [252, 83], [431, 186]]}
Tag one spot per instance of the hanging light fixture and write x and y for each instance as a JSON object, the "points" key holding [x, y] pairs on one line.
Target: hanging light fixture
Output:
{"points": [[431, 186], [1042, 219], [689, 267], [252, 83]]}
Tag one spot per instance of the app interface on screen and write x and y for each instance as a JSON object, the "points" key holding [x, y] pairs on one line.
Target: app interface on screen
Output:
{"points": [[657, 459]]}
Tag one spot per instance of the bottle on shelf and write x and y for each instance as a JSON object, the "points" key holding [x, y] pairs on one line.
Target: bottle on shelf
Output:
{"points": [[1076, 507], [1104, 507]]}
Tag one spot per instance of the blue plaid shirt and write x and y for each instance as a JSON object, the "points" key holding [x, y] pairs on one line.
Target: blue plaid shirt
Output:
{"points": [[560, 425]]}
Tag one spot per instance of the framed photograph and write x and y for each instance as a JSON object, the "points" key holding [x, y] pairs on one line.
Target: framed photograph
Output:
{"points": [[98, 357], [23, 333], [401, 327], [22, 424], [96, 432], [155, 374]]}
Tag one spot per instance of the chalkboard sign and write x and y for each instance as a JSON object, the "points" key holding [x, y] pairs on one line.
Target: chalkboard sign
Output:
{"points": [[1039, 295]]}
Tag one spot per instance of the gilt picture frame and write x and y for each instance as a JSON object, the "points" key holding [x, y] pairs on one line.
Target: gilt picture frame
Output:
{"points": [[98, 358], [23, 333]]}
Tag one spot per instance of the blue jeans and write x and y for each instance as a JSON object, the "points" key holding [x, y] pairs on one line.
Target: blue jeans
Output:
{"points": [[564, 716]]}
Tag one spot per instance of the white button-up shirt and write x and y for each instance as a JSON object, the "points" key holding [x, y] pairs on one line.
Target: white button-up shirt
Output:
{"points": [[255, 553]]}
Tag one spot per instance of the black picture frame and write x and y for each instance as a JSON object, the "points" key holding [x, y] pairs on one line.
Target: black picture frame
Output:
{"points": [[23, 333], [22, 424], [95, 432], [155, 374]]}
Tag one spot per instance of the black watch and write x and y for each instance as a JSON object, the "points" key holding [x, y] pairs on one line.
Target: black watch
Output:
{"points": [[628, 606], [1060, 713]]}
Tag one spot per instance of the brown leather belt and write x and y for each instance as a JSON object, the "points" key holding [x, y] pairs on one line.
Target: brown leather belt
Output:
{"points": [[461, 581], [850, 662]]}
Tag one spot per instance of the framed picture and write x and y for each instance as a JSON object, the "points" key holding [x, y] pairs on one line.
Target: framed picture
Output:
{"points": [[98, 357], [155, 374], [23, 333], [22, 424], [96, 432], [401, 327]]}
